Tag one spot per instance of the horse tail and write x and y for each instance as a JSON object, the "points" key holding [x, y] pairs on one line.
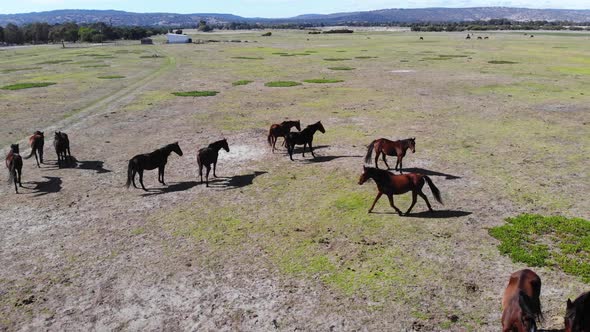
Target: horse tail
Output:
{"points": [[531, 308], [269, 137], [370, 149], [434, 189], [30, 154], [11, 173], [129, 173]]}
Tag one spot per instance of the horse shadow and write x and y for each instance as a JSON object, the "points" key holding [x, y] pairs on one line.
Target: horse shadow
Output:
{"points": [[235, 182], [94, 165], [299, 149], [42, 188], [171, 188], [324, 159], [439, 214], [431, 173]]}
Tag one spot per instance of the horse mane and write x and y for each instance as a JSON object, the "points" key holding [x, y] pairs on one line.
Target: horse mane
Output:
{"points": [[531, 307], [379, 175]]}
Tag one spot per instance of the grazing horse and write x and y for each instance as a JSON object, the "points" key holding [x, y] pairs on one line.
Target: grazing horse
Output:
{"points": [[577, 316], [149, 161], [14, 163], [61, 142], [208, 156], [391, 184], [305, 137], [36, 142], [280, 130], [390, 148], [521, 305]]}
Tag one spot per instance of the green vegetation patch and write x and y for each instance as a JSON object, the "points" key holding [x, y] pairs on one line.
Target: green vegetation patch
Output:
{"points": [[247, 58], [20, 69], [555, 241], [502, 62], [241, 82], [21, 86], [281, 84], [110, 77], [341, 68], [52, 62], [337, 59], [322, 80], [195, 93]]}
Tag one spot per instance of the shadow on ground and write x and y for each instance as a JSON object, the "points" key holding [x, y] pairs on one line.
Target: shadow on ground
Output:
{"points": [[439, 214], [235, 182], [171, 188], [41, 188], [430, 173]]}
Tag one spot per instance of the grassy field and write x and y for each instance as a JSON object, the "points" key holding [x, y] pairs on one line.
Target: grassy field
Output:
{"points": [[501, 125]]}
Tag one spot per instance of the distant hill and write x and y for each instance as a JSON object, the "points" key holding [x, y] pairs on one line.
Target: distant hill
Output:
{"points": [[375, 16]]}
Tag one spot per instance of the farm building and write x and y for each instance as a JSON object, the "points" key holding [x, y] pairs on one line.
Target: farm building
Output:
{"points": [[177, 39]]}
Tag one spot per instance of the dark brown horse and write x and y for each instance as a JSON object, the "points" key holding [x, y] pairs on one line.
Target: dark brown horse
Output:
{"points": [[305, 137], [280, 130], [390, 148], [391, 184], [14, 163], [208, 156], [61, 142], [577, 316], [521, 304], [149, 161], [37, 141]]}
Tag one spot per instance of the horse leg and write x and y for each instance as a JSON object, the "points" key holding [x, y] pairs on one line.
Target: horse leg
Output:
{"points": [[273, 141], [375, 201], [414, 196], [426, 200], [161, 171], [401, 159], [133, 173], [36, 159], [15, 179], [399, 163], [141, 179], [20, 173], [207, 175], [304, 149], [311, 149], [41, 154], [214, 167], [393, 205], [377, 158], [385, 161], [290, 148], [201, 171]]}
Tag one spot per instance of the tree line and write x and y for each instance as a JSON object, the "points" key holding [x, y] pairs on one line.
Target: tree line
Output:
{"points": [[499, 24], [43, 33]]}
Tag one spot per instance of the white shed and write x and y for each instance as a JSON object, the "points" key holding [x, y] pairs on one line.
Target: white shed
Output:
{"points": [[177, 39]]}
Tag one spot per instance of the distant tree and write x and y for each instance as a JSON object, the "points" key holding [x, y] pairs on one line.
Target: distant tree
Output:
{"points": [[204, 27], [1, 34], [85, 34], [13, 34]]}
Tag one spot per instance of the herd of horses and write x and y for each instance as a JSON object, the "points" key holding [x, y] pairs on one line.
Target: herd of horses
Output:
{"points": [[521, 301], [521, 306]]}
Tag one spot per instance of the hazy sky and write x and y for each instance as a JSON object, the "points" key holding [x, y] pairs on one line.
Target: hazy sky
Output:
{"points": [[270, 8]]}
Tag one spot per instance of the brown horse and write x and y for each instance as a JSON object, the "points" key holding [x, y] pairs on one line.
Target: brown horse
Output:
{"points": [[14, 163], [281, 130], [157, 159], [36, 142], [61, 142], [390, 184], [521, 305], [577, 316], [208, 156], [390, 148], [305, 137]]}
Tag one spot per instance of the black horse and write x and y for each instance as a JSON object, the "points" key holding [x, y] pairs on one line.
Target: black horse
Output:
{"points": [[61, 142], [577, 316], [304, 137], [37, 141], [149, 161], [14, 163], [208, 156]]}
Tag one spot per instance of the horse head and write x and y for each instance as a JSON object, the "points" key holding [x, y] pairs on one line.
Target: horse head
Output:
{"points": [[176, 148], [570, 316], [14, 148], [320, 127], [298, 125], [574, 314], [365, 176], [412, 145], [224, 145]]}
